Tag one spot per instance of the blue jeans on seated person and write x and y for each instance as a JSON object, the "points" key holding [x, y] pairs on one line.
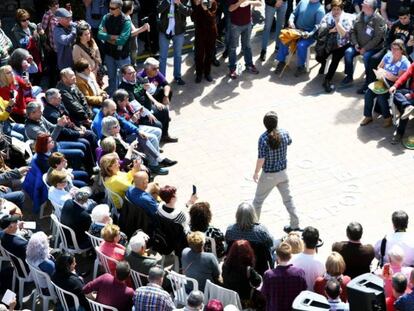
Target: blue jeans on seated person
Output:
{"points": [[301, 51], [244, 32], [350, 53], [81, 178], [15, 130], [149, 146], [16, 197], [401, 102], [382, 103]]}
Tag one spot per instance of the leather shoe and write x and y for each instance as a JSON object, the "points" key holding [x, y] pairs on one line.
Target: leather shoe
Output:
{"points": [[365, 121], [158, 170], [289, 229], [216, 62], [387, 122], [208, 78], [169, 139], [167, 162], [198, 79]]}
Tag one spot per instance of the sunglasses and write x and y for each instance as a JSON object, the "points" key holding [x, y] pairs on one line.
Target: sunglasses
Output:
{"points": [[112, 8], [24, 20]]}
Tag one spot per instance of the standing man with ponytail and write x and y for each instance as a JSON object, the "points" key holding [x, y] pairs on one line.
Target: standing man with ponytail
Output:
{"points": [[272, 161]]}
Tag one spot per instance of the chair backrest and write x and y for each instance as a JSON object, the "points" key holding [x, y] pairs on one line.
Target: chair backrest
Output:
{"points": [[105, 260], [96, 306], [114, 199], [18, 264], [62, 294], [226, 296], [3, 253], [133, 218], [44, 178], [94, 239], [212, 242], [42, 280], [178, 284], [61, 234], [137, 278]]}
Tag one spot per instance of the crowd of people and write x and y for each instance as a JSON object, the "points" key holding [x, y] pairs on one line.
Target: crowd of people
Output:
{"points": [[95, 122]]}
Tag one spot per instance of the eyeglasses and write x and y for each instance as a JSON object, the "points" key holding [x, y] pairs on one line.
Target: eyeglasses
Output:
{"points": [[113, 9], [51, 142], [131, 72], [9, 72], [24, 20], [115, 126]]}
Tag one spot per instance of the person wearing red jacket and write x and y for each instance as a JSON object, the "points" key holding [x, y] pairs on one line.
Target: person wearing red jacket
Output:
{"points": [[404, 100], [12, 86]]}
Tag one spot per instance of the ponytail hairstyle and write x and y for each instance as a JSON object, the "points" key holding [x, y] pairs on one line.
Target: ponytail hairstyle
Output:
{"points": [[270, 123]]}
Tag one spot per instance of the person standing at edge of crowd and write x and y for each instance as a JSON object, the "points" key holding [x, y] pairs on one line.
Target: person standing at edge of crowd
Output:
{"points": [[272, 161]]}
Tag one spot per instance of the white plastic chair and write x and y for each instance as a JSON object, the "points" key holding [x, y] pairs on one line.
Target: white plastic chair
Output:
{"points": [[213, 245], [61, 235], [178, 284], [95, 243], [104, 260], [136, 278], [23, 276], [61, 294], [42, 207], [226, 296], [41, 279], [96, 306], [5, 257]]}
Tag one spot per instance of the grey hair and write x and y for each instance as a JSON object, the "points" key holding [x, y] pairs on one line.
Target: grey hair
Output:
{"points": [[107, 102], [155, 274], [107, 124], [99, 212], [246, 216], [371, 3], [66, 71], [119, 95], [32, 107], [37, 249], [195, 299], [118, 3], [151, 61], [50, 93]]}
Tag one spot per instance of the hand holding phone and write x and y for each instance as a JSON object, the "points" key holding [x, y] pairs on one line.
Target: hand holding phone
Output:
{"points": [[194, 189]]}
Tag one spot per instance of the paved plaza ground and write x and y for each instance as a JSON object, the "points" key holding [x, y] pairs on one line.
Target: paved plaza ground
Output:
{"points": [[339, 172]]}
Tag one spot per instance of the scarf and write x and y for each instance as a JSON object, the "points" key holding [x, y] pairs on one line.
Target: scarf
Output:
{"points": [[171, 20]]}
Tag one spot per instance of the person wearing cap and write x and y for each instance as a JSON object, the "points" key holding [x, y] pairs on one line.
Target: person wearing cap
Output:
{"points": [[194, 301], [309, 260], [138, 256], [75, 215], [11, 241], [153, 297], [115, 31], [272, 161], [112, 290], [64, 36]]}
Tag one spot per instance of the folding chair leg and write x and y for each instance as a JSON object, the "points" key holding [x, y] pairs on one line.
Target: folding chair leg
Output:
{"points": [[21, 292], [14, 281], [34, 301], [95, 268]]}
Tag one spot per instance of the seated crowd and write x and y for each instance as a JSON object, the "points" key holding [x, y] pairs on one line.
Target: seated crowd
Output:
{"points": [[97, 147]]}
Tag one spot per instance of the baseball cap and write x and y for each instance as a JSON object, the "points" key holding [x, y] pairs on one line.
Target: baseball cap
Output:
{"points": [[62, 12], [7, 220]]}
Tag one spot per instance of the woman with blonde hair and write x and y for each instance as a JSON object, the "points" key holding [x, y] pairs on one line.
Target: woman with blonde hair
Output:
{"points": [[115, 180], [295, 241], [111, 247], [335, 267], [14, 87]]}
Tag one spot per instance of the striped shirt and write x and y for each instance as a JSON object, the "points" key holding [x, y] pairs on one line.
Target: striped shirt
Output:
{"points": [[5, 46], [152, 298], [275, 159], [174, 214]]}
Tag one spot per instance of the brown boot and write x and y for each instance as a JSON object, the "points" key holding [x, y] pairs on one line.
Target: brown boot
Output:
{"points": [[365, 121], [387, 122]]}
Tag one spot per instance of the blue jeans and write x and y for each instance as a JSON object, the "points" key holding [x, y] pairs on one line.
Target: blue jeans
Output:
{"points": [[244, 32], [113, 65], [81, 178], [301, 51], [73, 151], [178, 41], [270, 12], [350, 53], [382, 102], [15, 130], [16, 197], [152, 143]]}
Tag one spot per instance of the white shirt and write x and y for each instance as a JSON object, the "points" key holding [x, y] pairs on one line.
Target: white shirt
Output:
{"points": [[405, 240], [313, 266]]}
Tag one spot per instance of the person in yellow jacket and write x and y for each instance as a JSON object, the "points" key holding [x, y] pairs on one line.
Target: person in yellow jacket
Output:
{"points": [[8, 128], [114, 180]]}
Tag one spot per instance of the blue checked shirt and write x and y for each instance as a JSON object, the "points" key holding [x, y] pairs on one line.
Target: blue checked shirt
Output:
{"points": [[275, 159], [152, 298]]}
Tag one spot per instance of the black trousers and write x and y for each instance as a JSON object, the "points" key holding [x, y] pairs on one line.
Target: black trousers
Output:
{"points": [[337, 55], [163, 119]]}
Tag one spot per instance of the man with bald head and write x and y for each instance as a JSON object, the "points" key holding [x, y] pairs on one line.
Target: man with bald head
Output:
{"points": [[139, 197]]}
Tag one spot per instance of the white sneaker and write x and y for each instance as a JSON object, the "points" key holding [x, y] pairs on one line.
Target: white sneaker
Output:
{"points": [[407, 112]]}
